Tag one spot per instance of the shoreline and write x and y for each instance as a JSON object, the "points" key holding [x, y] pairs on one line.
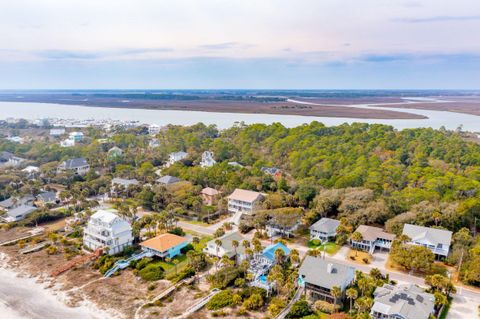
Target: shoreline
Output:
{"points": [[26, 296]]}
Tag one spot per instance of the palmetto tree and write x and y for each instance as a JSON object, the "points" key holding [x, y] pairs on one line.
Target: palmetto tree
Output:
{"points": [[336, 293], [356, 236], [352, 294], [218, 244]]}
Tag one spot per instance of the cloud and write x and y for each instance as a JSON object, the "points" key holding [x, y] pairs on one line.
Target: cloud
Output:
{"points": [[92, 55], [438, 19]]}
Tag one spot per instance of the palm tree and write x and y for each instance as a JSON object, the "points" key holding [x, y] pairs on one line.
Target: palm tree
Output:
{"points": [[336, 293], [357, 237], [175, 263], [246, 244], [235, 245], [294, 256], [279, 255], [352, 294], [218, 244]]}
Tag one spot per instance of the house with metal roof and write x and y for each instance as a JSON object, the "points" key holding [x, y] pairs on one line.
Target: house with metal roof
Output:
{"points": [[437, 240], [18, 213], [165, 245], [175, 157], [324, 229], [402, 301], [207, 159], [372, 238], [319, 276], [167, 180], [13, 202], [269, 252], [9, 159], [79, 166]]}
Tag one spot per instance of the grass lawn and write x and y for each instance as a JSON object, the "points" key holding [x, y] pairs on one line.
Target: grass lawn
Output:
{"points": [[170, 266], [359, 256], [195, 222], [330, 248], [203, 243]]}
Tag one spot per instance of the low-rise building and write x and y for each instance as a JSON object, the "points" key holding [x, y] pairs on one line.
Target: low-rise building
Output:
{"points": [[437, 240], [175, 157], [402, 301], [226, 248], [372, 238], [57, 131], [105, 229], [14, 202], [154, 129], [210, 195], [324, 229], [76, 136], [167, 180], [122, 184], [165, 246], [9, 159], [115, 152], [243, 201], [207, 159], [67, 143], [235, 164], [45, 198], [18, 213], [281, 227], [78, 166], [273, 171], [153, 143], [16, 139], [319, 276]]}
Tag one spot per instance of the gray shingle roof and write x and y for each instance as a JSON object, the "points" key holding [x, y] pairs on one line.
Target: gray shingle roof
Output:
{"points": [[21, 211], [47, 197], [408, 301], [10, 202], [433, 235], [326, 225], [371, 233], [167, 180], [75, 162], [124, 182], [315, 271]]}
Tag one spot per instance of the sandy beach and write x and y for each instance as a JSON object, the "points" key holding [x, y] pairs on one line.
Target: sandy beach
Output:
{"points": [[23, 297]]}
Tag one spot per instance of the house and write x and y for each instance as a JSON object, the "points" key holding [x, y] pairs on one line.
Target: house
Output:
{"points": [[78, 166], [9, 159], [274, 171], [31, 171], [154, 129], [19, 213], [402, 301], [372, 238], [105, 229], [437, 240], [235, 164], [76, 136], [283, 227], [209, 195], [319, 276], [268, 253], [324, 229], [168, 180], [16, 139], [243, 201], [115, 152], [165, 246], [226, 247], [120, 184], [14, 202], [57, 131], [175, 157], [207, 159], [46, 198], [153, 143], [67, 143]]}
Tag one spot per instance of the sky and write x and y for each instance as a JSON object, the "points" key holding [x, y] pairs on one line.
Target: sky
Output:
{"points": [[247, 44]]}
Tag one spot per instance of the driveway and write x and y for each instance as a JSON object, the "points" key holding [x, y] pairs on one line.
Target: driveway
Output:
{"points": [[463, 307], [379, 259]]}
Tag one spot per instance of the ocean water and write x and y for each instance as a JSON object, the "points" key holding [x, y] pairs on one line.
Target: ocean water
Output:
{"points": [[27, 110]]}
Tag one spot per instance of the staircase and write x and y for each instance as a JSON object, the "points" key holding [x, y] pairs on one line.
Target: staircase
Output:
{"points": [[124, 263], [236, 218]]}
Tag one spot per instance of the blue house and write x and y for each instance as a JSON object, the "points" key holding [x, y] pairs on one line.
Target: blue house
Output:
{"points": [[269, 252], [165, 245]]}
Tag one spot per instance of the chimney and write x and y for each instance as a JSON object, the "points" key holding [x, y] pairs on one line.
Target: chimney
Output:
{"points": [[330, 268]]}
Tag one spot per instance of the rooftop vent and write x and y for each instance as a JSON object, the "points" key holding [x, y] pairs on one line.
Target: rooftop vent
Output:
{"points": [[330, 268]]}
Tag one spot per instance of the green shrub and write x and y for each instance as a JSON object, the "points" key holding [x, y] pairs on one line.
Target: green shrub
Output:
{"points": [[225, 277], [299, 309], [142, 263], [255, 301], [315, 242], [152, 272], [222, 299], [177, 231]]}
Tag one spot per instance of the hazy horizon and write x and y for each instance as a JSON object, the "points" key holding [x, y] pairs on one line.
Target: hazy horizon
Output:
{"points": [[346, 44]]}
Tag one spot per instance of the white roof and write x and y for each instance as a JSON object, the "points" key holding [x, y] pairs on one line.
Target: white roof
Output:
{"points": [[433, 236], [106, 216]]}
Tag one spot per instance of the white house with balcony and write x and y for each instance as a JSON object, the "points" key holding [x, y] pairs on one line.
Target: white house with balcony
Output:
{"points": [[105, 229], [324, 229], [207, 159], [76, 136], [373, 238], [175, 157], [437, 240], [243, 201]]}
